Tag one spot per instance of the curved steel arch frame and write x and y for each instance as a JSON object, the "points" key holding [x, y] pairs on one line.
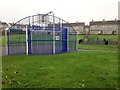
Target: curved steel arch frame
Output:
{"points": [[41, 34]]}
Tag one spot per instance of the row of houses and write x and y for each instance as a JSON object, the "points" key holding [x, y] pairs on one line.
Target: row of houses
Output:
{"points": [[94, 27], [4, 26], [97, 27]]}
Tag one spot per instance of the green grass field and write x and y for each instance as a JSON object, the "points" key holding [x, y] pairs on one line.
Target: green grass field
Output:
{"points": [[98, 47], [69, 70], [2, 40]]}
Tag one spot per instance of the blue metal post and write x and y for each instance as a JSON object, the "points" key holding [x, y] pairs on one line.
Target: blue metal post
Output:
{"points": [[64, 40], [29, 40]]}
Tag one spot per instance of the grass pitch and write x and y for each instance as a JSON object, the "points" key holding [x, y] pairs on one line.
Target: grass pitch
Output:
{"points": [[69, 70]]}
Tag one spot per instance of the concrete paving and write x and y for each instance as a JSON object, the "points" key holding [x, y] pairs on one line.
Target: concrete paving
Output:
{"points": [[3, 51], [82, 50]]}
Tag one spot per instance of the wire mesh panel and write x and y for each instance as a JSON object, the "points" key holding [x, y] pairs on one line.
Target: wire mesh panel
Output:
{"points": [[58, 43], [41, 34], [41, 42], [16, 37], [16, 41]]}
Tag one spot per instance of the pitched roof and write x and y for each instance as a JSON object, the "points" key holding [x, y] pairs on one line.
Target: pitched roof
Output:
{"points": [[4, 23], [77, 24], [112, 22]]}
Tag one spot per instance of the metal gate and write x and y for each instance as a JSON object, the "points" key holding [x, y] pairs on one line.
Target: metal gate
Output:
{"points": [[41, 34]]}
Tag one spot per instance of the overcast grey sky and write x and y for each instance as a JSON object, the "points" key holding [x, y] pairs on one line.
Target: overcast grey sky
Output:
{"points": [[69, 10]]}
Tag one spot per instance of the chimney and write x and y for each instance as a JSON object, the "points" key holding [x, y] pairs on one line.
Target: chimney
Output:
{"points": [[103, 19], [77, 22]]}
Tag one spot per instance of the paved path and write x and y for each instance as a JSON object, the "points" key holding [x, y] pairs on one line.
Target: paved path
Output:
{"points": [[3, 51], [82, 50]]}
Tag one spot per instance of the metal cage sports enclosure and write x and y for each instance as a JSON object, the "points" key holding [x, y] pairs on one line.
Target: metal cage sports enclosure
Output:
{"points": [[41, 34]]}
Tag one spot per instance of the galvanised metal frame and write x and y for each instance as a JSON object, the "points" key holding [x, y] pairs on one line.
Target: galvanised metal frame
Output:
{"points": [[58, 27]]}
